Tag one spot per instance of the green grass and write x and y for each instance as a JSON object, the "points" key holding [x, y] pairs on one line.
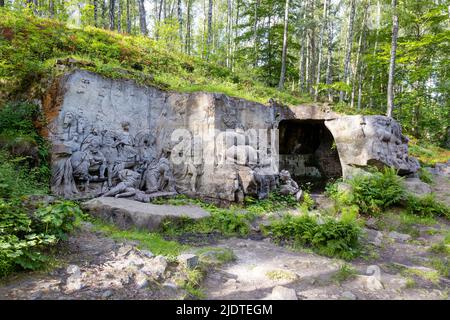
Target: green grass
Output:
{"points": [[148, 240], [344, 273], [428, 154], [281, 275], [428, 275], [215, 256], [30, 46]]}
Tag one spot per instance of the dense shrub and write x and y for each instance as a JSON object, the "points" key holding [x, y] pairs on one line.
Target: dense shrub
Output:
{"points": [[371, 192], [21, 142], [375, 192], [330, 237], [24, 232]]}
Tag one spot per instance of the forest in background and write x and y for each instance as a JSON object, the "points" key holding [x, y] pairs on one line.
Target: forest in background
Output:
{"points": [[366, 56]]}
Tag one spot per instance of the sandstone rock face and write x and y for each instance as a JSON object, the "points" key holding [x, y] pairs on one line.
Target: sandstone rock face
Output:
{"points": [[118, 139], [371, 140]]}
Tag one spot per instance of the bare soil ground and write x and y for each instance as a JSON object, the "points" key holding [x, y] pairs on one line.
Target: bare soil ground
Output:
{"points": [[390, 268]]}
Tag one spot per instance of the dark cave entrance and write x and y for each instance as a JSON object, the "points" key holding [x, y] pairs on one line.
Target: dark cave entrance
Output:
{"points": [[307, 150]]}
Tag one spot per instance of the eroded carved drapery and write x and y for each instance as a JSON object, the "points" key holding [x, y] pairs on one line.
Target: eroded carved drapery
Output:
{"points": [[120, 164]]}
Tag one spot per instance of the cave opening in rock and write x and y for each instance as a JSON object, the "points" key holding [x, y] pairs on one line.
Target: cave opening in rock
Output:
{"points": [[308, 151]]}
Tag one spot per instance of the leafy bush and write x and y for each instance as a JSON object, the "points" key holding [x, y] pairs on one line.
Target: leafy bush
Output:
{"points": [[373, 192], [330, 237], [24, 234], [19, 137], [426, 206]]}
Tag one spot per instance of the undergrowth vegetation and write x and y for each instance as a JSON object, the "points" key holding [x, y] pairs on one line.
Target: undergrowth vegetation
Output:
{"points": [[25, 234], [327, 236], [30, 47], [27, 229], [374, 192]]}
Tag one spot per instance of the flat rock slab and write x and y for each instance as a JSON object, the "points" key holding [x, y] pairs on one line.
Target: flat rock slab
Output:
{"points": [[129, 213]]}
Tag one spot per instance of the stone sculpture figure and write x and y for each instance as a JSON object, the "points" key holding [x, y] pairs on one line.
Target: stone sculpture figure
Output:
{"points": [[288, 186], [69, 125], [158, 177], [128, 185], [125, 144]]}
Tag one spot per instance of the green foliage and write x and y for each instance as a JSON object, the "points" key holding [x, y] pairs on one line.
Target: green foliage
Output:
{"points": [[228, 222], [215, 255], [148, 240], [24, 234], [372, 192], [426, 206], [273, 203], [428, 154], [425, 175], [30, 46], [338, 238], [344, 273], [20, 138]]}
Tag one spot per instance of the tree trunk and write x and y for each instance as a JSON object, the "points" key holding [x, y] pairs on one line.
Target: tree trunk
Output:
{"points": [[302, 58], [2, 3], [236, 29], [51, 8], [128, 17], [319, 60], [311, 51], [229, 22], [348, 53], [375, 48], [285, 44], [112, 5], [390, 88], [180, 22], [209, 38], [142, 18], [188, 27], [329, 59], [95, 2], [104, 9], [358, 56], [119, 16], [255, 33]]}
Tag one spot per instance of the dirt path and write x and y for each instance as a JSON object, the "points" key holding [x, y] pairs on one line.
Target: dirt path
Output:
{"points": [[260, 266], [393, 266], [92, 266]]}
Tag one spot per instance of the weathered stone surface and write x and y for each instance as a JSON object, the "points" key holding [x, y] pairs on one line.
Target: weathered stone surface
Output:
{"points": [[156, 267], [128, 213], [141, 280], [371, 283], [283, 293], [417, 187], [118, 139], [190, 261], [401, 237], [371, 140], [348, 295]]}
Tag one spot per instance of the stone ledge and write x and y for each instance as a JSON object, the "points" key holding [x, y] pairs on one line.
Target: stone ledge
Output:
{"points": [[129, 213]]}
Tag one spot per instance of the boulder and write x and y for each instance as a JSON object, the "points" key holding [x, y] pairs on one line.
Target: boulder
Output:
{"points": [[188, 260], [128, 213], [417, 187], [400, 237], [283, 293]]}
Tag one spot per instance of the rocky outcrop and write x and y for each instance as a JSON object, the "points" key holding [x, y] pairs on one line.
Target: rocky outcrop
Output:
{"points": [[118, 139]]}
